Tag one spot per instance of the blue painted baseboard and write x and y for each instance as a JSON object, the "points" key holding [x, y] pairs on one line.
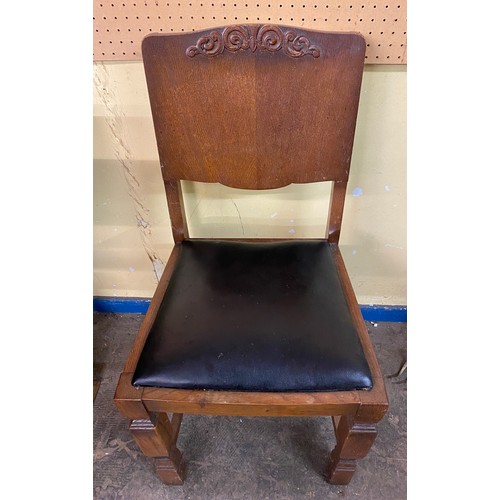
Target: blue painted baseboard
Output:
{"points": [[384, 313], [126, 305], [121, 305]]}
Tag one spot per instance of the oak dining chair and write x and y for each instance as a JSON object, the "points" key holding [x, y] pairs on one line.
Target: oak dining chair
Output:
{"points": [[253, 327]]}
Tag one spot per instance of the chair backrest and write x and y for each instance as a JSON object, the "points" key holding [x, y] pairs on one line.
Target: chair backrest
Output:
{"points": [[254, 107]]}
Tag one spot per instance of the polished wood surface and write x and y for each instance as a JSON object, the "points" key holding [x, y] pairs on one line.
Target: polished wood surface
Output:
{"points": [[255, 120], [151, 312], [254, 108], [156, 437], [354, 440]]}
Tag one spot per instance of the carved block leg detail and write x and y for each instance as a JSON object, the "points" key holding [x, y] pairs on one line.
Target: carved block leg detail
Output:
{"points": [[354, 440], [156, 438], [340, 471], [171, 470]]}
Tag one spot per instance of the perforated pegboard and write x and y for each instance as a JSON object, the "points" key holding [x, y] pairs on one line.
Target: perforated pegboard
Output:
{"points": [[120, 25]]}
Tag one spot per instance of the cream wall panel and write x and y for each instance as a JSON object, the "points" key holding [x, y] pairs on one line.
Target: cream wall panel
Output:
{"points": [[373, 239], [295, 211], [132, 238]]}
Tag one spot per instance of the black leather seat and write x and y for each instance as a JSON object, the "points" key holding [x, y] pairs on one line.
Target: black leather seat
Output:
{"points": [[254, 317]]}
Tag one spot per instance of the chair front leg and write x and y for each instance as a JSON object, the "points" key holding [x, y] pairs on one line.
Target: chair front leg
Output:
{"points": [[354, 440], [156, 437]]}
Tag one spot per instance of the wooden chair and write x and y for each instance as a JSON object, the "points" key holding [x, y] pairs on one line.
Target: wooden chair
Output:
{"points": [[253, 327]]}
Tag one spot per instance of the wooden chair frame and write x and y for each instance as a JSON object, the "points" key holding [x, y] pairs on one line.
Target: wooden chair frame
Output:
{"points": [[354, 413]]}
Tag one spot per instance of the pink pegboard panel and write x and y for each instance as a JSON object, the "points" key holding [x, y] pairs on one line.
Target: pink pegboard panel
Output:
{"points": [[120, 26]]}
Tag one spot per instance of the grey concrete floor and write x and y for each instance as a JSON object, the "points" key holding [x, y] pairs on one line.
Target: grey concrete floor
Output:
{"points": [[244, 458]]}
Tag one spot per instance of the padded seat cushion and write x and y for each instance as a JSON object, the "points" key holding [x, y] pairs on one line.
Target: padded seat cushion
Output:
{"points": [[254, 317]]}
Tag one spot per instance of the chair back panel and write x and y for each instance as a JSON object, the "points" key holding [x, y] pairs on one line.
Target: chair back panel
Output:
{"points": [[254, 106]]}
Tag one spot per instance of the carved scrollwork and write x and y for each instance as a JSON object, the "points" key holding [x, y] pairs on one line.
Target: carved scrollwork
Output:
{"points": [[270, 38], [298, 46], [210, 45], [265, 37], [236, 38]]}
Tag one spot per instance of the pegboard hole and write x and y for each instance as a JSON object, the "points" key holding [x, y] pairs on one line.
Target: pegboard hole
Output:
{"points": [[137, 18]]}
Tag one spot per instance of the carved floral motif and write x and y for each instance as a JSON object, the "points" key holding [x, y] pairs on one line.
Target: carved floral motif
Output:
{"points": [[265, 37]]}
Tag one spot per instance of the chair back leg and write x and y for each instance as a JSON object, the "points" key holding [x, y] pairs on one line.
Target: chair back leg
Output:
{"points": [[354, 440]]}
